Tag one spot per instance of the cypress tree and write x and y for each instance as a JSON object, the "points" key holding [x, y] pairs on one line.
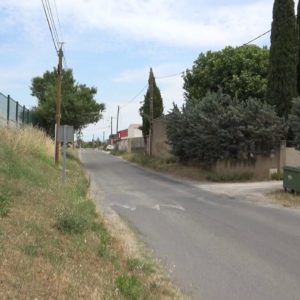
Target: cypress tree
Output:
{"points": [[282, 80], [298, 67], [157, 105]]}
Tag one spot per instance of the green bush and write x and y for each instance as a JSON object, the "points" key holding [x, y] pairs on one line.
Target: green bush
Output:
{"points": [[130, 287], [229, 177], [277, 176]]}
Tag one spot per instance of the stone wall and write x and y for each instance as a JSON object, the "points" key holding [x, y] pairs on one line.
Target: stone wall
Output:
{"points": [[160, 147]]}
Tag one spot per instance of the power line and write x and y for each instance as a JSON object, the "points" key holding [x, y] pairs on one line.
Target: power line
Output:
{"points": [[58, 19], [258, 37], [181, 73], [136, 96], [245, 44], [50, 14], [49, 25], [169, 76]]}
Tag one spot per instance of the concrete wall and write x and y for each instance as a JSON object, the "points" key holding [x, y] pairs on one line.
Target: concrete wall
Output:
{"points": [[134, 131], [261, 167], [129, 145], [160, 148], [292, 157]]}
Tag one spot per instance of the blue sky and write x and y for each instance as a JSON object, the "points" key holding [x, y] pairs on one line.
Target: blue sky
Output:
{"points": [[112, 44]]}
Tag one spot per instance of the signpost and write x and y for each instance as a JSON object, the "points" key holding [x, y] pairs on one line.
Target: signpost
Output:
{"points": [[65, 136]]}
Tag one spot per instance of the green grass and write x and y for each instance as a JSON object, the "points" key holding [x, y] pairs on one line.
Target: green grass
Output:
{"points": [[136, 264], [130, 287], [4, 203]]}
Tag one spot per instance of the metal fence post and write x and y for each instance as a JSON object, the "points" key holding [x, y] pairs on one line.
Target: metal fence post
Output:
{"points": [[8, 108], [17, 113], [23, 116]]}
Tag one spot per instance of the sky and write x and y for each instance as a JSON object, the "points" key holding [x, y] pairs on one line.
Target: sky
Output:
{"points": [[111, 45]]}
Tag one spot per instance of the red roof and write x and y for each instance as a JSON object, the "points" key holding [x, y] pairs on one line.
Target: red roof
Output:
{"points": [[123, 134]]}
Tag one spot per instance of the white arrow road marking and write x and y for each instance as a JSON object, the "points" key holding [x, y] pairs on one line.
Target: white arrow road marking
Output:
{"points": [[158, 206], [124, 206]]}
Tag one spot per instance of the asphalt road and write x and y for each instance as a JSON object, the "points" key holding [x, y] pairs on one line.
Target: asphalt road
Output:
{"points": [[213, 246]]}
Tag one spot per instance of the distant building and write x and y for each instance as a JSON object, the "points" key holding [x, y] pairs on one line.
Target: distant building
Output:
{"points": [[134, 131], [123, 134]]}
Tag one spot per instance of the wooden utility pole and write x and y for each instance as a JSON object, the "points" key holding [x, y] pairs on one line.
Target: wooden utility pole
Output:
{"points": [[117, 129], [118, 113], [111, 126], [58, 103], [151, 111]]}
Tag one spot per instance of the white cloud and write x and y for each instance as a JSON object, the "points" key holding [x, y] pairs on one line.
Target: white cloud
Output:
{"points": [[162, 20]]}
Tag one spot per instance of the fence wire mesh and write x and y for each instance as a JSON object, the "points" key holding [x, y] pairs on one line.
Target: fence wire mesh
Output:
{"points": [[12, 113]]}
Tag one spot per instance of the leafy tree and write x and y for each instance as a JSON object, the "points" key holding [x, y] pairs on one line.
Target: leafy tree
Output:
{"points": [[220, 127], [294, 121], [78, 108], [239, 72], [282, 83], [157, 105]]}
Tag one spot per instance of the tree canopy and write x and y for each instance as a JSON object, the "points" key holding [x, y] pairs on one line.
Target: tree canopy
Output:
{"points": [[282, 78], [78, 108], [157, 105], [221, 127], [239, 72]]}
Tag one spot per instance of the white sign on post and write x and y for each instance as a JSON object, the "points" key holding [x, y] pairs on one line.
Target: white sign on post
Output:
{"points": [[65, 135], [68, 131]]}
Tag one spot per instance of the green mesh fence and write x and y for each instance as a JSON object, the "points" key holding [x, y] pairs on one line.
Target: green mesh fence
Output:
{"points": [[12, 113]]}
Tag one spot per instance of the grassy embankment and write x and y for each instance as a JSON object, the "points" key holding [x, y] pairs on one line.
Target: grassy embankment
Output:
{"points": [[52, 242]]}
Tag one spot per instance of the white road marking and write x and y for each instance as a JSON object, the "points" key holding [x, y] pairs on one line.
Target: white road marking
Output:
{"points": [[124, 206], [158, 206]]}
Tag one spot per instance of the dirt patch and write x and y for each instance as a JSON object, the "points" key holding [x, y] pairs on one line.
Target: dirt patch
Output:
{"points": [[251, 191]]}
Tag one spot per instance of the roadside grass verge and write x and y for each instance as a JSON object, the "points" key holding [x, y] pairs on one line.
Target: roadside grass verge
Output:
{"points": [[285, 198], [53, 244], [167, 165]]}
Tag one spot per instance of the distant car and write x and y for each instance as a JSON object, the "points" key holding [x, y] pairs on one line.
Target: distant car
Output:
{"points": [[110, 147]]}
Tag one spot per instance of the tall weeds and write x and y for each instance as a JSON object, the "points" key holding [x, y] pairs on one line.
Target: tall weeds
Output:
{"points": [[27, 140]]}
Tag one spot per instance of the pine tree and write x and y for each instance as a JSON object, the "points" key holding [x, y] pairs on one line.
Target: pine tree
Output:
{"points": [[157, 105], [282, 80]]}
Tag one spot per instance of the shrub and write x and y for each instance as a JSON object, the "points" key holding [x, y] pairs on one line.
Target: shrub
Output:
{"points": [[277, 176], [229, 177]]}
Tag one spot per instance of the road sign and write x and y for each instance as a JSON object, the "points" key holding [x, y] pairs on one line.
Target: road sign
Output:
{"points": [[66, 134]]}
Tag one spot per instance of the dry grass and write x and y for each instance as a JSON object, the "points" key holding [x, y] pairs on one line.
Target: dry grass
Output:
{"points": [[46, 253], [27, 140], [286, 199]]}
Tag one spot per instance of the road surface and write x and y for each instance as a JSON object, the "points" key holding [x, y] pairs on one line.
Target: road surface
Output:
{"points": [[213, 246]]}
